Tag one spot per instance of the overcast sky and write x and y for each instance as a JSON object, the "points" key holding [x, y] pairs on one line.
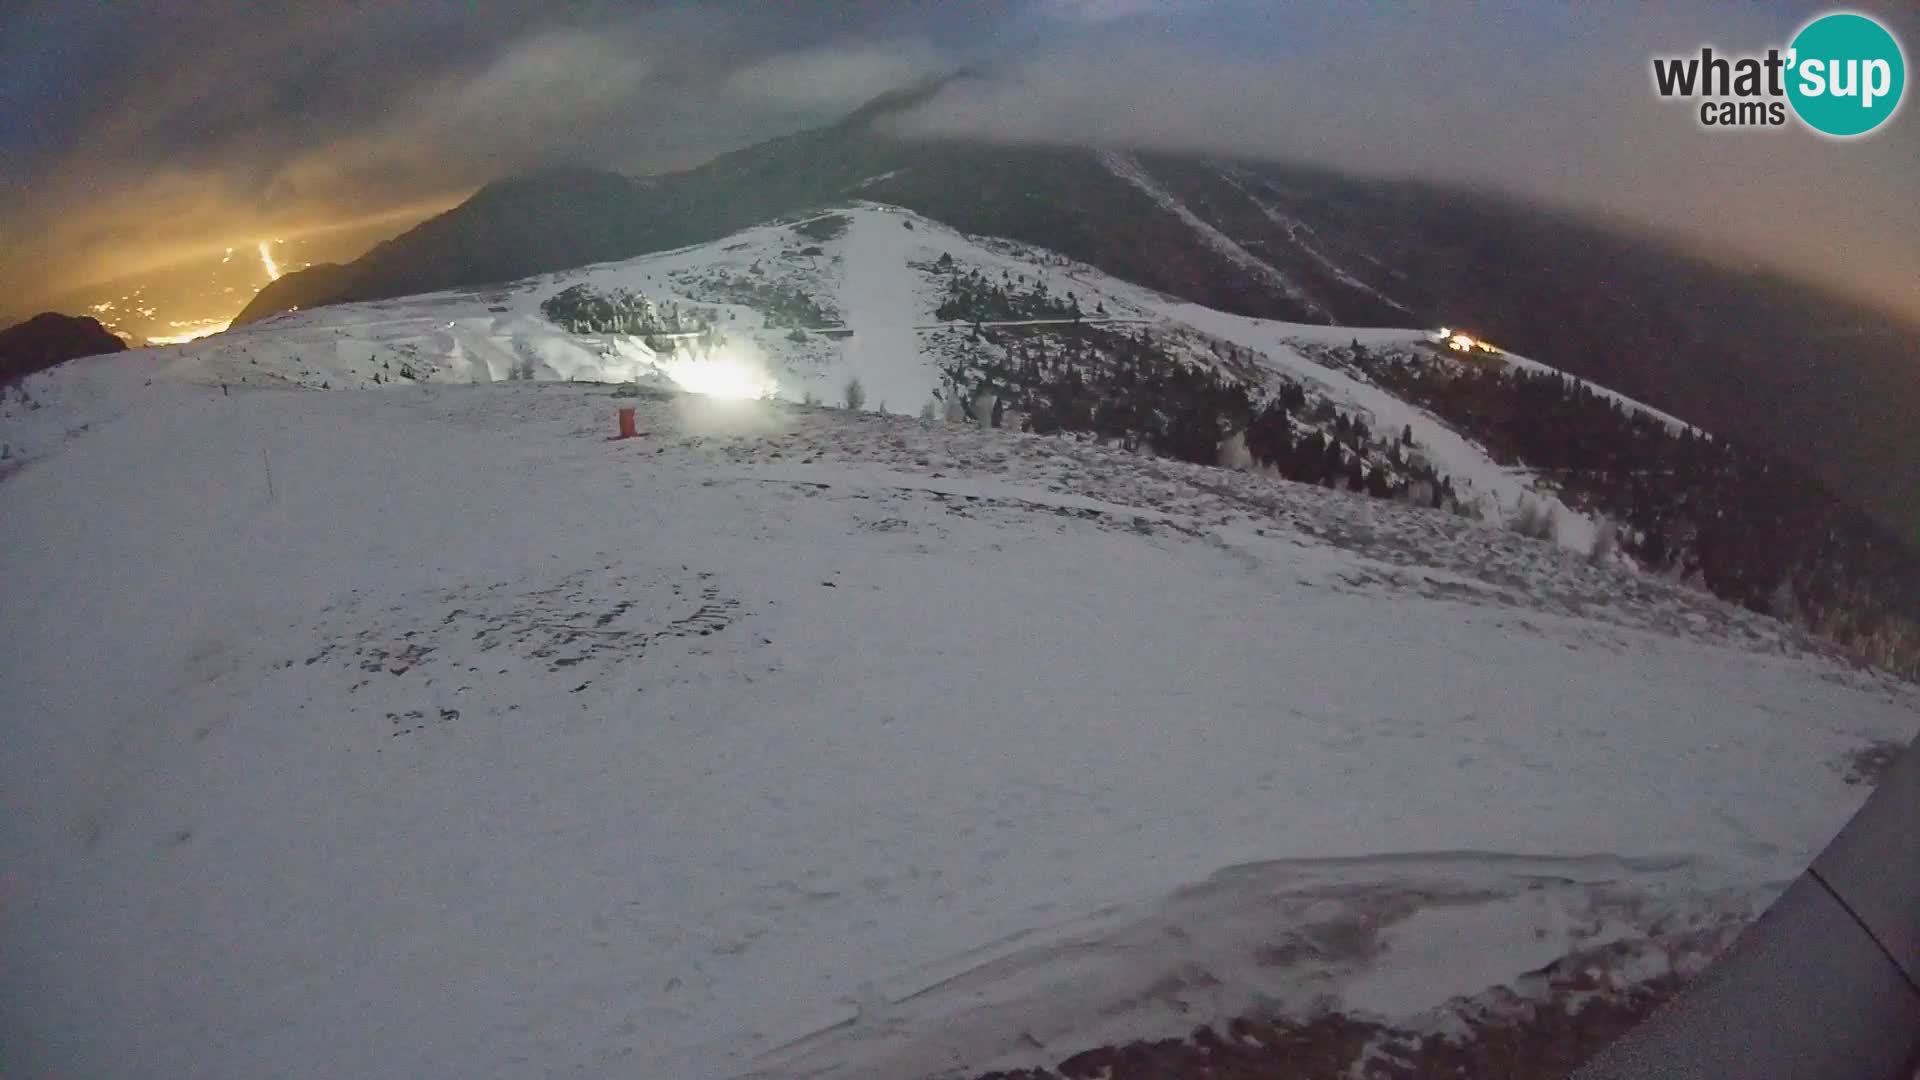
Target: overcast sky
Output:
{"points": [[132, 134]]}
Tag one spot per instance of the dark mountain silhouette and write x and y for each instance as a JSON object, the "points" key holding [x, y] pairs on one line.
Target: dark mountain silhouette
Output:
{"points": [[1753, 356], [314, 286], [50, 338]]}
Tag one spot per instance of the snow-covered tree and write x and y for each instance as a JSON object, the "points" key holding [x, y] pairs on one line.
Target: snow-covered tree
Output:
{"points": [[1533, 518], [1606, 540], [1233, 452], [983, 403]]}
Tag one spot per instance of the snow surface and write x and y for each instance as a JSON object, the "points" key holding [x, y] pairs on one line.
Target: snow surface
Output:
{"points": [[1473, 470], [877, 276], [791, 740], [424, 731], [884, 307]]}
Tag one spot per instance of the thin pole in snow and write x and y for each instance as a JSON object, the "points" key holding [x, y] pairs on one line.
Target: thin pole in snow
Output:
{"points": [[268, 466]]}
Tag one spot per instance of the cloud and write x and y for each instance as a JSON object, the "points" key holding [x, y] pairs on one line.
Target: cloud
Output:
{"points": [[132, 135], [556, 94], [555, 76], [833, 77], [189, 133], [1109, 10], [1557, 110]]}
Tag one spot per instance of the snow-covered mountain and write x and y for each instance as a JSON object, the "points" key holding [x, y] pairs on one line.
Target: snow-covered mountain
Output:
{"points": [[1728, 348], [417, 727], [873, 274]]}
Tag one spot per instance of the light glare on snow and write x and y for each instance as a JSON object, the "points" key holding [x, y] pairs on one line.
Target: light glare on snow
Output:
{"points": [[864, 641], [721, 374]]}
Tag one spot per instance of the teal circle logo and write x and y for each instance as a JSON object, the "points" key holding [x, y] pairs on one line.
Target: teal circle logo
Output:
{"points": [[1846, 74]]}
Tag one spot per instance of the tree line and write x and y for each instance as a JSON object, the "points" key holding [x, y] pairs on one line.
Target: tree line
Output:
{"points": [[1748, 526], [1129, 387]]}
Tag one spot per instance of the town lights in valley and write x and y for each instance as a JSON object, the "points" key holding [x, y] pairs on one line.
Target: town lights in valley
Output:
{"points": [[188, 331]]}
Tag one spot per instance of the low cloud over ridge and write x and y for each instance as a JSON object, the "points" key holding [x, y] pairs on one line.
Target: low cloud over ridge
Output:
{"points": [[130, 137]]}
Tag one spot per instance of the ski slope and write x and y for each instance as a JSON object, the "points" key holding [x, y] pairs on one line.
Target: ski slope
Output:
{"points": [[1294, 228], [1471, 466], [424, 731], [884, 308], [1127, 168]]}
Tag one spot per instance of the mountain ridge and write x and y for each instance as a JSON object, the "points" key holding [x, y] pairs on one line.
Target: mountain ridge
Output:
{"points": [[879, 305], [833, 672], [1748, 354], [51, 338]]}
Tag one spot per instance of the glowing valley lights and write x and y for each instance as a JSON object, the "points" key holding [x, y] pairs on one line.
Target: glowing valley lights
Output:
{"points": [[189, 331]]}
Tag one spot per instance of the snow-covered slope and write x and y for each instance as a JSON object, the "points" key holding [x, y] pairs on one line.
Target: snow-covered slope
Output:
{"points": [[427, 732], [1126, 168], [876, 278], [1307, 247], [785, 740]]}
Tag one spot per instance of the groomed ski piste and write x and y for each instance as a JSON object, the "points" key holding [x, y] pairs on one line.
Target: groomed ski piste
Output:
{"points": [[422, 729]]}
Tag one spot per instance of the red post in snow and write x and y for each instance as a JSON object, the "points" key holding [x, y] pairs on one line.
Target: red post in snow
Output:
{"points": [[626, 424]]}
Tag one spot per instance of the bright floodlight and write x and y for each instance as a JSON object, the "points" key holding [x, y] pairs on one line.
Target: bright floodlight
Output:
{"points": [[720, 375]]}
